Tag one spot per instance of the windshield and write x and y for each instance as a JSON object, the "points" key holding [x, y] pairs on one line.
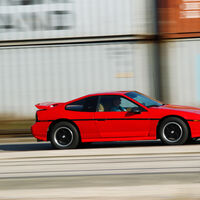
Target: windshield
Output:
{"points": [[144, 100]]}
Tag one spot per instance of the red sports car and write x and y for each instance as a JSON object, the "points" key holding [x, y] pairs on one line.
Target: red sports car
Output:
{"points": [[115, 116]]}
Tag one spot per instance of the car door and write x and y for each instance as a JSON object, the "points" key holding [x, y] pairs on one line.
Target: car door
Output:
{"points": [[121, 123]]}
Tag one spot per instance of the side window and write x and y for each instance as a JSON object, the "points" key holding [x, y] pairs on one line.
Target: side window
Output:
{"points": [[128, 105], [84, 105], [115, 103], [105, 103]]}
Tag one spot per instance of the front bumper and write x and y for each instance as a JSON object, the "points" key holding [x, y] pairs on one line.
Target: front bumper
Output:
{"points": [[195, 128], [40, 129]]}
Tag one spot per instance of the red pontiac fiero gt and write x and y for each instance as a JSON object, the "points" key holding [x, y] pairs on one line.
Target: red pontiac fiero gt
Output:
{"points": [[114, 116]]}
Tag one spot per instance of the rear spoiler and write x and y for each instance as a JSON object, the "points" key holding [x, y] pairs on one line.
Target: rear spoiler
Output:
{"points": [[46, 105]]}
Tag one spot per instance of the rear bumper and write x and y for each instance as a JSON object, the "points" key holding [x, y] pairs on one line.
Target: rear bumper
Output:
{"points": [[40, 129]]}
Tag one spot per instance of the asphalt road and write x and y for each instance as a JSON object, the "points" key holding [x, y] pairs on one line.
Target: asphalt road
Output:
{"points": [[122, 170]]}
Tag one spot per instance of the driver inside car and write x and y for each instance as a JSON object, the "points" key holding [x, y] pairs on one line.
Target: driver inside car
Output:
{"points": [[116, 107]]}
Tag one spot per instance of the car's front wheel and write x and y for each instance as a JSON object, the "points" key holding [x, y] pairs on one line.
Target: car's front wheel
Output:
{"points": [[64, 135], [173, 131]]}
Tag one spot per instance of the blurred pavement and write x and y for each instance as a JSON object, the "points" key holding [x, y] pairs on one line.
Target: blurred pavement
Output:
{"points": [[137, 170]]}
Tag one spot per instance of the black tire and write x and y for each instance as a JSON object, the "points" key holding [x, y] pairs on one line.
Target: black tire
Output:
{"points": [[64, 135], [173, 131]]}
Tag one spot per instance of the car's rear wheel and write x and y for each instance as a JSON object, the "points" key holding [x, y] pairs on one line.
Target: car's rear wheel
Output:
{"points": [[64, 135], [173, 131]]}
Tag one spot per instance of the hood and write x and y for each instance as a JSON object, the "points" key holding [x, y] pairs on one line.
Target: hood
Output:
{"points": [[182, 108], [46, 105]]}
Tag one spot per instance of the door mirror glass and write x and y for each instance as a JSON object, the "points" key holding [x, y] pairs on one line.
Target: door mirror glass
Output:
{"points": [[136, 110]]}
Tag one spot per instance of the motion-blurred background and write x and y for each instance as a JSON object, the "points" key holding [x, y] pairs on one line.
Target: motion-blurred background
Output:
{"points": [[56, 50]]}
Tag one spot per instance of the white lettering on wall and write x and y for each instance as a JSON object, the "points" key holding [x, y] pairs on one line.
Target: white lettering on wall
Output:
{"points": [[35, 17], [190, 9]]}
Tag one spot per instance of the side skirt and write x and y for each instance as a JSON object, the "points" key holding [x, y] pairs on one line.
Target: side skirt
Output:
{"points": [[117, 139]]}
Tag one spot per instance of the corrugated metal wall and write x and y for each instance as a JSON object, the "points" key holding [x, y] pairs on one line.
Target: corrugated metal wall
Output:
{"points": [[59, 73], [114, 50], [75, 18], [97, 45], [179, 26], [179, 18], [181, 64]]}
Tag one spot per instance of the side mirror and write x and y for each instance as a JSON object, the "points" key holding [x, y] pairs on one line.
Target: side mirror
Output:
{"points": [[136, 110]]}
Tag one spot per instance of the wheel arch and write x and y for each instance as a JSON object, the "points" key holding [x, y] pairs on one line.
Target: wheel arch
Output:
{"points": [[61, 120], [168, 116]]}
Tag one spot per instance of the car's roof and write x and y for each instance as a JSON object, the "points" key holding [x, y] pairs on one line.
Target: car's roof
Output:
{"points": [[110, 93], [102, 93]]}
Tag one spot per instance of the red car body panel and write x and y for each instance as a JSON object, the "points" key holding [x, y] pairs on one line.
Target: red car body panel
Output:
{"points": [[113, 126], [130, 126], [39, 130]]}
